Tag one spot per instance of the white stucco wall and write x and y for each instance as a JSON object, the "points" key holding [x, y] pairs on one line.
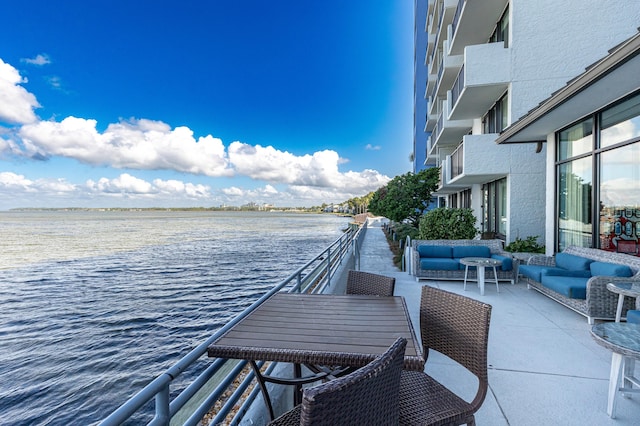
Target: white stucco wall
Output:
{"points": [[554, 41]]}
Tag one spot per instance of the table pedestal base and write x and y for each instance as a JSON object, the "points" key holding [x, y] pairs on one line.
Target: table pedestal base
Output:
{"points": [[620, 363]]}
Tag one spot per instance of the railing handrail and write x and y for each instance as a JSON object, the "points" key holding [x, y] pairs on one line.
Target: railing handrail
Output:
{"points": [[314, 281]]}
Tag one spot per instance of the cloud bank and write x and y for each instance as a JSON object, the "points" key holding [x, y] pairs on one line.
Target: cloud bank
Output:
{"points": [[139, 144]]}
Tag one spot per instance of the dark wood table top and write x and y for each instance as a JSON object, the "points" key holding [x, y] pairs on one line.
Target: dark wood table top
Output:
{"points": [[346, 330]]}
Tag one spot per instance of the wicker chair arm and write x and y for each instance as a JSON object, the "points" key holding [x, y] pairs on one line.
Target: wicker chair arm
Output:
{"points": [[602, 303], [542, 260]]}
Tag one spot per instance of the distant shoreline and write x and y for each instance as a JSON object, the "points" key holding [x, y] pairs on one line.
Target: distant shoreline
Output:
{"points": [[131, 209]]}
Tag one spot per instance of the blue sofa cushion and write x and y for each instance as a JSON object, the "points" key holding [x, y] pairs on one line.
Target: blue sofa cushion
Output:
{"points": [[434, 251], [572, 262], [507, 262], [571, 287], [534, 271], [610, 269], [633, 316], [471, 251], [439, 264], [565, 273]]}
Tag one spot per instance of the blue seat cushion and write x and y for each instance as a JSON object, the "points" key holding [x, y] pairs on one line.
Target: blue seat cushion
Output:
{"points": [[434, 251], [610, 269], [572, 262], [565, 273], [633, 316], [507, 262], [439, 264], [471, 251], [534, 271], [571, 287]]}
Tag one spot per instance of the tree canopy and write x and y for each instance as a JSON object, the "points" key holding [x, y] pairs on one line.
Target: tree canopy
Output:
{"points": [[406, 197]]}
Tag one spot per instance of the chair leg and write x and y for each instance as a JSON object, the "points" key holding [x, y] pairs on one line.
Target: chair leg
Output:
{"points": [[466, 271]]}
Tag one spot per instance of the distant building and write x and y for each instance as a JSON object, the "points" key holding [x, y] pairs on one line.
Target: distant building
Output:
{"points": [[489, 63]]}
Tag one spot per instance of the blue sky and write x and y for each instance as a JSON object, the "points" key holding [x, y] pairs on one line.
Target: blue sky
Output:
{"points": [[202, 103]]}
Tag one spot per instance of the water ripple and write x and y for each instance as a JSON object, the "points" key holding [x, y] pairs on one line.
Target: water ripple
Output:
{"points": [[96, 305]]}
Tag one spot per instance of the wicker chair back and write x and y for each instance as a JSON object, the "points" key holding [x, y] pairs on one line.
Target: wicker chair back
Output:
{"points": [[359, 282]]}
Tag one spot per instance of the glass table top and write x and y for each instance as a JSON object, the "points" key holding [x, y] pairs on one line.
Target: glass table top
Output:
{"points": [[618, 334], [480, 261], [628, 288]]}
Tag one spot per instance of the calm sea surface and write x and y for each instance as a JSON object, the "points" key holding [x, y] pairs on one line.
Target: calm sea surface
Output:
{"points": [[94, 305]]}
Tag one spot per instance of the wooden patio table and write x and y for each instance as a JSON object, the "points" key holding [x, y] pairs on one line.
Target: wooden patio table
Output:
{"points": [[318, 329]]}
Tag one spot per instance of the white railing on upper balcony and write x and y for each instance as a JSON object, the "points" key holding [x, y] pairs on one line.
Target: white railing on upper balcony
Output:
{"points": [[457, 161], [457, 87]]}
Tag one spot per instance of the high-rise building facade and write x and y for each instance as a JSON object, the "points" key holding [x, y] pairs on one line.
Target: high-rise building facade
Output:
{"points": [[489, 62], [419, 86]]}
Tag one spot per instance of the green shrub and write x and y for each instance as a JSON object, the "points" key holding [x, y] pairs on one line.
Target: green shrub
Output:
{"points": [[403, 230], [448, 224], [528, 245]]}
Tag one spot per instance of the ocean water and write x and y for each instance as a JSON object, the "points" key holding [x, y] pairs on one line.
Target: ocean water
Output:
{"points": [[95, 305]]}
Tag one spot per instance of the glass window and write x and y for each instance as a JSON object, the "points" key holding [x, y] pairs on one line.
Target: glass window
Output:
{"points": [[495, 207], [501, 207], [576, 140], [620, 199], [501, 32], [496, 119], [574, 203], [620, 123]]}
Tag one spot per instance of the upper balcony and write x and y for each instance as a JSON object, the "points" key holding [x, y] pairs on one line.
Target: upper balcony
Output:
{"points": [[444, 185], [478, 160], [473, 23], [430, 6], [447, 132], [483, 78], [439, 21]]}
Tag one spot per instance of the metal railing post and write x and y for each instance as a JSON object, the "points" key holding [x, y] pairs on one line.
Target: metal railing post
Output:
{"points": [[328, 267], [163, 415]]}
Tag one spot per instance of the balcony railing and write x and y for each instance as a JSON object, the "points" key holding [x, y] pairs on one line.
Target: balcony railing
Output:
{"points": [[457, 87], [314, 277], [437, 128], [457, 161], [456, 16]]}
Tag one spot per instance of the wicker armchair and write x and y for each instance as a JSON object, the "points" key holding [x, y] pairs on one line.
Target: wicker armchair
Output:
{"points": [[368, 396], [359, 282], [457, 327]]}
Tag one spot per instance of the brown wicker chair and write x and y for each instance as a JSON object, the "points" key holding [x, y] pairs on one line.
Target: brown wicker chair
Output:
{"points": [[367, 396], [359, 282], [457, 327]]}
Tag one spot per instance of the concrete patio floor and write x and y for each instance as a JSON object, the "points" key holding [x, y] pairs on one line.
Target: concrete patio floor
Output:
{"points": [[544, 367]]}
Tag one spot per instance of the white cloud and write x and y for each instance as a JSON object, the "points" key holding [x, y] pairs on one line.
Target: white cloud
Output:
{"points": [[54, 81], [125, 183], [135, 144], [272, 165], [48, 192], [175, 187], [263, 194], [370, 147], [41, 59], [9, 181], [16, 103]]}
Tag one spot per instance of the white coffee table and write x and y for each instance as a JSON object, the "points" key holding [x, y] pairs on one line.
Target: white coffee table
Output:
{"points": [[481, 263]]}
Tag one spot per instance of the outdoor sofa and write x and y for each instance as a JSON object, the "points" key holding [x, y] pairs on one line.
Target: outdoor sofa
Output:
{"points": [[440, 259], [578, 276]]}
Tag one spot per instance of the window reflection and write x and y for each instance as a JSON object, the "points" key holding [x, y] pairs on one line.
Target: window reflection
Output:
{"points": [[620, 199]]}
